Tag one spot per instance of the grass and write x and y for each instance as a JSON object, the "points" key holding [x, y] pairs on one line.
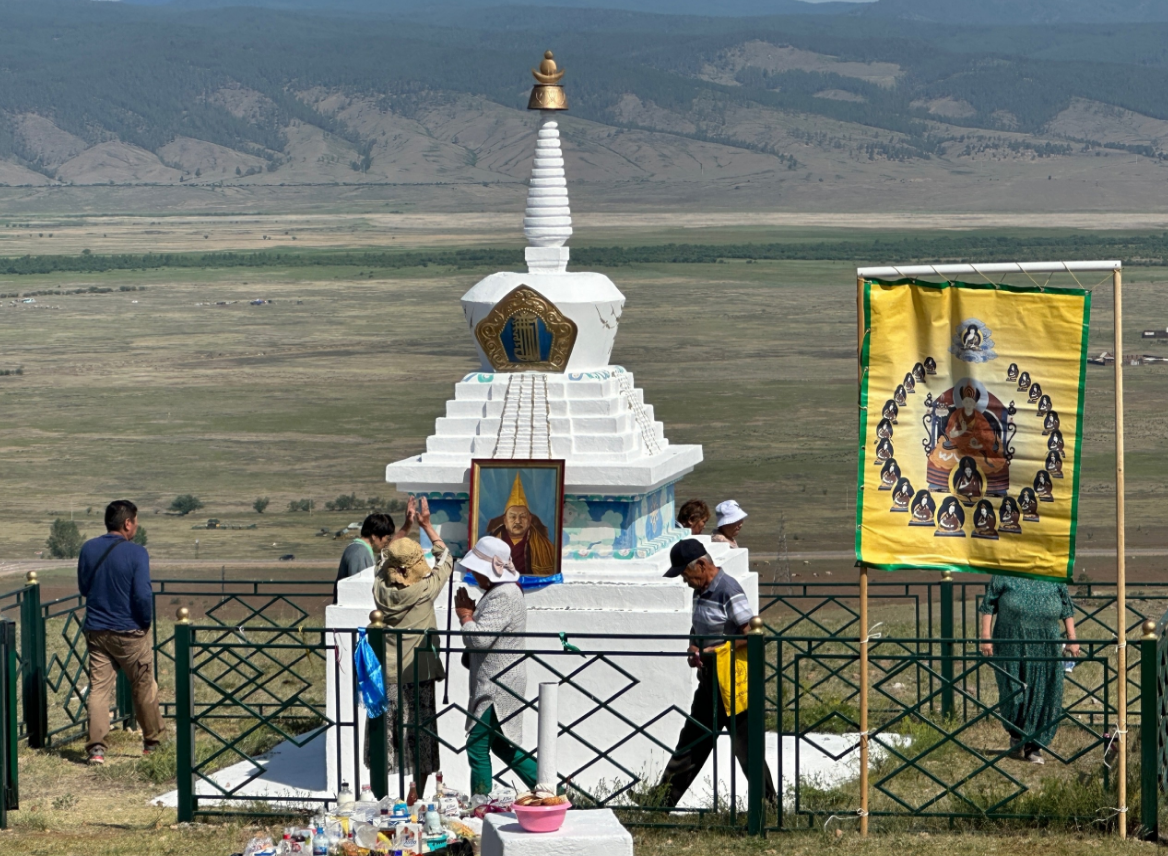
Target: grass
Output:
{"points": [[839, 841]]}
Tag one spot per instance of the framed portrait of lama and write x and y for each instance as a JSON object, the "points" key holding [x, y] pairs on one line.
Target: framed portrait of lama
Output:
{"points": [[522, 503]]}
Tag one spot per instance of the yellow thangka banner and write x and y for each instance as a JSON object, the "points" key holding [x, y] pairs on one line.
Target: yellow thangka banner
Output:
{"points": [[971, 427]]}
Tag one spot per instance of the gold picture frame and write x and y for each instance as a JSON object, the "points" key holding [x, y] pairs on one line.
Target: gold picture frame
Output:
{"points": [[536, 487]]}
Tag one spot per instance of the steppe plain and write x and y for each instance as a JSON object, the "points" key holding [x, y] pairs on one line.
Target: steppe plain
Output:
{"points": [[155, 393]]}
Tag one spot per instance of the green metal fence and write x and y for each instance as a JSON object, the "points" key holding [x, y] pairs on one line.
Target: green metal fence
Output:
{"points": [[828, 613], [940, 749], [929, 763], [1153, 755], [9, 727], [53, 659], [234, 687]]}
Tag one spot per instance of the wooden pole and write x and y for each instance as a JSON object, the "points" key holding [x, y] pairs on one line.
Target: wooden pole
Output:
{"points": [[864, 700], [1120, 558], [862, 332]]}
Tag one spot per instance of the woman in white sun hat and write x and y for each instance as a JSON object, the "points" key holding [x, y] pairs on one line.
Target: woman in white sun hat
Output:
{"points": [[497, 685], [730, 517]]}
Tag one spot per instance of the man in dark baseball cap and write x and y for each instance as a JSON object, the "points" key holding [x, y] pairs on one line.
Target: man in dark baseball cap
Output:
{"points": [[721, 611], [683, 554]]}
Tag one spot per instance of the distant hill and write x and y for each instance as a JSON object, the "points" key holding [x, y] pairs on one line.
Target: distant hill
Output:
{"points": [[101, 93], [998, 12], [973, 12], [713, 8]]}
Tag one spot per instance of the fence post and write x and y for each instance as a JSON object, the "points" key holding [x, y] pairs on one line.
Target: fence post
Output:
{"points": [[756, 726], [184, 710], [378, 730], [947, 632], [32, 650], [1150, 702], [125, 702], [9, 796]]}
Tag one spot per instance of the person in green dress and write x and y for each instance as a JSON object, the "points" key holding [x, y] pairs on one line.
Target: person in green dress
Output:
{"points": [[1027, 641]]}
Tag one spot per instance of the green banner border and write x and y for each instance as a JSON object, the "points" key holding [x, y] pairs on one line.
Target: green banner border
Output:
{"points": [[863, 408]]}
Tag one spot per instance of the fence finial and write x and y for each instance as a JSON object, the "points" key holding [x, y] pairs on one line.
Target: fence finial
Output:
{"points": [[184, 615], [376, 618], [756, 625], [946, 576], [1149, 628], [31, 578]]}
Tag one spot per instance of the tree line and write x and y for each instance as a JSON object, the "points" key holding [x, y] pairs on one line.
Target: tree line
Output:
{"points": [[1148, 249]]}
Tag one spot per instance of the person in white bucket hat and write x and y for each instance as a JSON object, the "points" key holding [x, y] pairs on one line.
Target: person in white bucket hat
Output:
{"points": [[730, 517], [498, 678]]}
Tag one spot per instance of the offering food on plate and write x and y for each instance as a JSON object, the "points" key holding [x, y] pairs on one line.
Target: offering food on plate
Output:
{"points": [[541, 794]]}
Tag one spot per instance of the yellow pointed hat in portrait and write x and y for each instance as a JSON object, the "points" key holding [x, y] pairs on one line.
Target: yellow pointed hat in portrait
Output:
{"points": [[518, 497]]}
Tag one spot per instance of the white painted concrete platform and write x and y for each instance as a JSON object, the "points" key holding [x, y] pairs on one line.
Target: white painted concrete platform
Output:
{"points": [[584, 833], [295, 774]]}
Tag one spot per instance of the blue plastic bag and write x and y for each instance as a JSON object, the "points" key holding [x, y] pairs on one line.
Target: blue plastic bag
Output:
{"points": [[370, 683]]}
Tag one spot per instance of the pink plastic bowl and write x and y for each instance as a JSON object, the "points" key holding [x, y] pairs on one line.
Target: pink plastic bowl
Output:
{"points": [[541, 818]]}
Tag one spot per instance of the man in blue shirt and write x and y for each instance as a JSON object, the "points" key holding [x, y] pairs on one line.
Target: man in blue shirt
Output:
{"points": [[113, 575], [721, 612]]}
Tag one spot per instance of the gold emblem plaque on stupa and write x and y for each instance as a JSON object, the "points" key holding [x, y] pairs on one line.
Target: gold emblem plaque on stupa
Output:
{"points": [[526, 332]]}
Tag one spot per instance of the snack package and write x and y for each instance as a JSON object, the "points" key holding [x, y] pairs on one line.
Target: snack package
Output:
{"points": [[260, 845]]}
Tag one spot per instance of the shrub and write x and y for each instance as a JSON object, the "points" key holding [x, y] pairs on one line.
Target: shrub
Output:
{"points": [[140, 536], [186, 503], [64, 539], [345, 503], [301, 505], [373, 503], [261, 504]]}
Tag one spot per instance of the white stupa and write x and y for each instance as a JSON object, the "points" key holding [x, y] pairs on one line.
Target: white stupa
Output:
{"points": [[559, 396], [547, 389]]}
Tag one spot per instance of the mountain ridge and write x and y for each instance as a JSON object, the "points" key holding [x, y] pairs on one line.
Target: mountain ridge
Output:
{"points": [[99, 93], [974, 12]]}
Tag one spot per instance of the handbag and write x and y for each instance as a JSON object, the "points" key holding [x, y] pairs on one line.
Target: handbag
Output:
{"points": [[732, 687], [370, 681]]}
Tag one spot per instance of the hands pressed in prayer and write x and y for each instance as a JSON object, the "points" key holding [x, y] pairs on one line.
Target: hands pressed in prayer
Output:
{"points": [[464, 606]]}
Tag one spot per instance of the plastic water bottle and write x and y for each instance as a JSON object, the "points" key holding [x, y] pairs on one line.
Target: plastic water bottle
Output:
{"points": [[320, 843], [345, 798], [366, 796], [433, 820]]}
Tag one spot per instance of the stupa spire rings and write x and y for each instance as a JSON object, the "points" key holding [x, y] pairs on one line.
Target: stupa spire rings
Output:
{"points": [[547, 221], [547, 94]]}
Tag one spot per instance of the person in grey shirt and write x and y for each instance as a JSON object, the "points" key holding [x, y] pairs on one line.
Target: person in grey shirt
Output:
{"points": [[376, 533], [720, 610], [498, 669]]}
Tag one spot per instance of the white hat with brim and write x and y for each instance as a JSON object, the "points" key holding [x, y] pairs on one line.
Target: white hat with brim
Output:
{"points": [[729, 512], [491, 557]]}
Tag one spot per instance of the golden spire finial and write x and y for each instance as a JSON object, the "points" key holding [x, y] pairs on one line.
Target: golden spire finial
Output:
{"points": [[548, 75], [547, 93]]}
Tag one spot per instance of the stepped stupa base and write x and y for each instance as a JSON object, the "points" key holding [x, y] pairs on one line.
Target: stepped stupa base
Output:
{"points": [[610, 598]]}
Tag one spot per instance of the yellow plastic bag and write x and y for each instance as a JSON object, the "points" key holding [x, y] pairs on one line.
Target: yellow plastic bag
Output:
{"points": [[735, 683]]}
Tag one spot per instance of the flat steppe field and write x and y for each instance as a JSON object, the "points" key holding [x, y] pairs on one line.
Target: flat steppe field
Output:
{"points": [[150, 394]]}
